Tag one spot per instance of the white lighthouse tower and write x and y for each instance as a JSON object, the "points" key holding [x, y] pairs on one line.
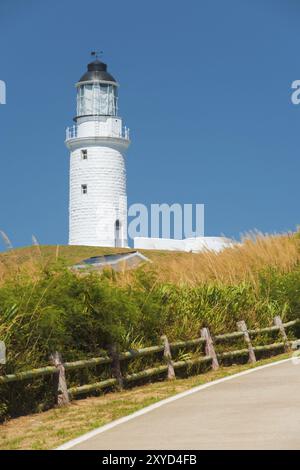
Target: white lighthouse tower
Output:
{"points": [[97, 144]]}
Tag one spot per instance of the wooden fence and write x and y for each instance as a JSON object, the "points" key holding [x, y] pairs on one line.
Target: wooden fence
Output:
{"points": [[59, 368]]}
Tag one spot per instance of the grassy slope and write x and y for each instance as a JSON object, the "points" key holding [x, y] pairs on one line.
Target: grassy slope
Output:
{"points": [[241, 263], [49, 429], [33, 256], [74, 254], [71, 254]]}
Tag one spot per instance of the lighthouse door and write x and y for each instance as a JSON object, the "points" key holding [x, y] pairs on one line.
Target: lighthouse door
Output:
{"points": [[118, 241]]}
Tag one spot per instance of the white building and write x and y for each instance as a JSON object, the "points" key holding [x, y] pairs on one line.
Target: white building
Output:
{"points": [[193, 244], [97, 144]]}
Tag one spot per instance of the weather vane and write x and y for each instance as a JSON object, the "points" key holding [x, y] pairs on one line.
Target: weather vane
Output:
{"points": [[96, 54]]}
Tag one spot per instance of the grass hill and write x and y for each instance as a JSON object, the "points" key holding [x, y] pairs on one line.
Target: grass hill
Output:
{"points": [[243, 262]]}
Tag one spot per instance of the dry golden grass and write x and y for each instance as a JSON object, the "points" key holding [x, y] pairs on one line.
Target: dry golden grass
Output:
{"points": [[240, 263], [30, 260]]}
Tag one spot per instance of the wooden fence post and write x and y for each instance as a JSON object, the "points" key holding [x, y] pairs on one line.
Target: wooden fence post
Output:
{"points": [[243, 327], [209, 348], [61, 389], [278, 322], [115, 365], [168, 358]]}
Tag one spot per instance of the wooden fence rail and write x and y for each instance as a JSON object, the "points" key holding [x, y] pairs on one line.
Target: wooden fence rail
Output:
{"points": [[114, 359]]}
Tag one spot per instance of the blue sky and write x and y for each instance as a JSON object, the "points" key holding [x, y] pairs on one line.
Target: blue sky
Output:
{"points": [[205, 90]]}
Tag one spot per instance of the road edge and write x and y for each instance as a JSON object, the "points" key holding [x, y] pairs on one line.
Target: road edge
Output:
{"points": [[106, 427]]}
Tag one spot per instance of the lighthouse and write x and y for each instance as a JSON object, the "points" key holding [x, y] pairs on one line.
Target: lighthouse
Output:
{"points": [[97, 143]]}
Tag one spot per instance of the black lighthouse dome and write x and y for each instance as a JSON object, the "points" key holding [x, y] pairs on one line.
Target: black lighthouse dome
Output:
{"points": [[97, 71]]}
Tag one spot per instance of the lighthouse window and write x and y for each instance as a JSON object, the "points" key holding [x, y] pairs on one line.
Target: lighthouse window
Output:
{"points": [[97, 99], [84, 154], [84, 188]]}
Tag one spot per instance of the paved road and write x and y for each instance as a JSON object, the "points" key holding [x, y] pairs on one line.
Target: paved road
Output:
{"points": [[260, 410]]}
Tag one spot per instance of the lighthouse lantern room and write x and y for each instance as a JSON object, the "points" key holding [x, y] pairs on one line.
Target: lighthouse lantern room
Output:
{"points": [[97, 144]]}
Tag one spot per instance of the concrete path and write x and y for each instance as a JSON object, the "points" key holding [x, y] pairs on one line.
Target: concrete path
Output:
{"points": [[260, 410]]}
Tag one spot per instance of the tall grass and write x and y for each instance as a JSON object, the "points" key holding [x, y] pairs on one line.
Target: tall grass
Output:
{"points": [[241, 263]]}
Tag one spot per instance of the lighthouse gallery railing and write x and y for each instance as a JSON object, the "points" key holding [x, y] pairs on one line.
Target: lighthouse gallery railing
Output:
{"points": [[72, 132]]}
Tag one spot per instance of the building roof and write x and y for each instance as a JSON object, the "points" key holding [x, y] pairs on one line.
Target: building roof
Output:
{"points": [[117, 261], [97, 71]]}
